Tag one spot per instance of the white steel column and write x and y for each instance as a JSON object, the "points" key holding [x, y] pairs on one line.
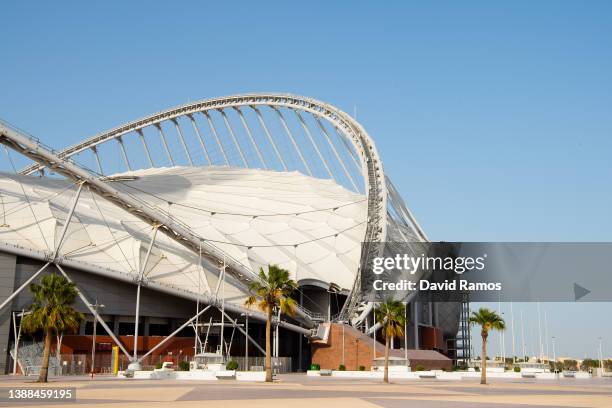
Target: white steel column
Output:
{"points": [[250, 134], [267, 132], [144, 145], [182, 139], [23, 286], [197, 130], [243, 332], [17, 334], [164, 142], [93, 312], [331, 145], [406, 333], [60, 240], [374, 331], [213, 130], [174, 333], [94, 149], [416, 325], [233, 136], [124, 153], [140, 278], [314, 144], [348, 148], [293, 142]]}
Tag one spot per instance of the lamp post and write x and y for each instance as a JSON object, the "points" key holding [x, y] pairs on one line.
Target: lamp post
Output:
{"points": [[554, 356], [17, 336], [246, 340], [93, 341], [600, 358]]}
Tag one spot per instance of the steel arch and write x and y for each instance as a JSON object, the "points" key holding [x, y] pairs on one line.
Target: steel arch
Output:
{"points": [[369, 159], [371, 165]]}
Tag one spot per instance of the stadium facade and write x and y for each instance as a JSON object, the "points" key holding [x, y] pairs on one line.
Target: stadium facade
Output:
{"points": [[167, 219]]}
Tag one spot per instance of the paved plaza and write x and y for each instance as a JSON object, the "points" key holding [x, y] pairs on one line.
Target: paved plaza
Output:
{"points": [[297, 390]]}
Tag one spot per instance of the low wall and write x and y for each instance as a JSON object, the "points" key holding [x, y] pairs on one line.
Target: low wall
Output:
{"points": [[200, 375]]}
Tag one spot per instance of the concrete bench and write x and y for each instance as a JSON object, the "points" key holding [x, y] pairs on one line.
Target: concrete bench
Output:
{"points": [[528, 375], [427, 375], [226, 375]]}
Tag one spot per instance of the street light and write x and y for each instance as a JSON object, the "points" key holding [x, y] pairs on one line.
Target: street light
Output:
{"points": [[554, 355], [93, 341], [17, 332], [600, 359], [246, 341]]}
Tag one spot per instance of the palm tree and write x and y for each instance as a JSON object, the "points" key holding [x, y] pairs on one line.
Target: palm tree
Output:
{"points": [[52, 312], [271, 293], [391, 313], [487, 320]]}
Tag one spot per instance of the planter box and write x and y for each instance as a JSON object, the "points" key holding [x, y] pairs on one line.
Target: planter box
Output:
{"points": [[259, 376]]}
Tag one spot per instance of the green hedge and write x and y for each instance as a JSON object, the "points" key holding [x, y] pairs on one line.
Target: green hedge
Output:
{"points": [[315, 367]]}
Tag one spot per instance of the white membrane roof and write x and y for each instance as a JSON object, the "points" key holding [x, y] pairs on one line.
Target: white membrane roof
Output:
{"points": [[312, 227]]}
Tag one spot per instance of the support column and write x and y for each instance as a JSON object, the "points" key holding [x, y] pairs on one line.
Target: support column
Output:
{"points": [[124, 153], [164, 142], [267, 132], [197, 131], [93, 312], [140, 279], [335, 151], [7, 283], [250, 134], [213, 130], [416, 325], [95, 152], [314, 144], [182, 139], [233, 136], [174, 333], [293, 142], [144, 145]]}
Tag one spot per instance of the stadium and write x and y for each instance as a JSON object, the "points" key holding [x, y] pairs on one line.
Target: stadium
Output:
{"points": [[163, 222]]}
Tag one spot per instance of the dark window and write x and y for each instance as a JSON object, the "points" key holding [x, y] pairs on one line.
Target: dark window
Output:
{"points": [[127, 329], [159, 329], [99, 329]]}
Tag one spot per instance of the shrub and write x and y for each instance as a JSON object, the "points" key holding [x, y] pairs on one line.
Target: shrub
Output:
{"points": [[315, 367], [341, 367], [361, 368], [419, 367], [158, 365], [517, 369], [183, 365], [232, 365], [477, 369]]}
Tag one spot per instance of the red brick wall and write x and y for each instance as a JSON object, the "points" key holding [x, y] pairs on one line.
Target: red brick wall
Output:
{"points": [[356, 351]]}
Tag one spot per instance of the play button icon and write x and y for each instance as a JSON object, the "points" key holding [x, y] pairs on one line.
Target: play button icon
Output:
{"points": [[580, 292]]}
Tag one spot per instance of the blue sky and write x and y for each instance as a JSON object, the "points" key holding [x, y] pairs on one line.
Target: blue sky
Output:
{"points": [[493, 119]]}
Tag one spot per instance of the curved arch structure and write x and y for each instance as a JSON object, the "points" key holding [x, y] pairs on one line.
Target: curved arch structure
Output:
{"points": [[386, 216]]}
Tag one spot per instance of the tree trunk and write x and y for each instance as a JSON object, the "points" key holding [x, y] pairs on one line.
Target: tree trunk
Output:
{"points": [[268, 351], [483, 369], [386, 377], [58, 352], [44, 368]]}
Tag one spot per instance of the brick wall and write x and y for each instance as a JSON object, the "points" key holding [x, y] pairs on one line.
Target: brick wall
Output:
{"points": [[358, 349]]}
